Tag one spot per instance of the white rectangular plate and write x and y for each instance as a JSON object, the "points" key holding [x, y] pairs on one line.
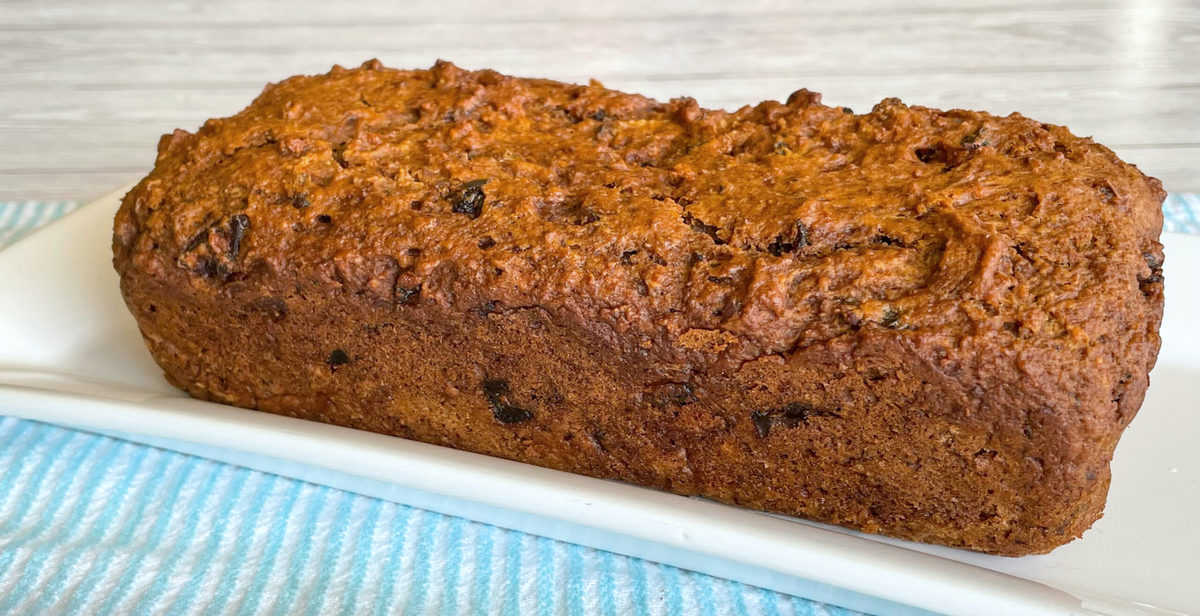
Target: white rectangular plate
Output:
{"points": [[71, 354]]}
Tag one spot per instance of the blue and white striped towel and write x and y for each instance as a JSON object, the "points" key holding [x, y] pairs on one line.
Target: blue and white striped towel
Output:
{"points": [[92, 524]]}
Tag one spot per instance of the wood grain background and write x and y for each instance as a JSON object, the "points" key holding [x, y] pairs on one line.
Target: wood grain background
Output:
{"points": [[87, 87]]}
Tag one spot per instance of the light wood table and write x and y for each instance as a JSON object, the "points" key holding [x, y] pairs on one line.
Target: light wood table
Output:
{"points": [[87, 87]]}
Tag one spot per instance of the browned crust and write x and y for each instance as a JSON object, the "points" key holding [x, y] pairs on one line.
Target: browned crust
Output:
{"points": [[928, 324]]}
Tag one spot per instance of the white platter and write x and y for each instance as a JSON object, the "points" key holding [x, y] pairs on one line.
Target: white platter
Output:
{"points": [[71, 354]]}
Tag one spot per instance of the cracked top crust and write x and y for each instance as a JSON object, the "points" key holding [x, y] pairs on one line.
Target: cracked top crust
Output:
{"points": [[692, 235]]}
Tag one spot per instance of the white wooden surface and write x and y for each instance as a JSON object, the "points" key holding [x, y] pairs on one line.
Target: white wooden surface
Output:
{"points": [[86, 87]]}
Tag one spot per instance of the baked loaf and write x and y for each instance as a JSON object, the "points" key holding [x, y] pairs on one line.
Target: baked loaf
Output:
{"points": [[928, 324]]}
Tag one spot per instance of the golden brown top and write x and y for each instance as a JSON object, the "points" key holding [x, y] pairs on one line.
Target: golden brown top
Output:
{"points": [[697, 233]]}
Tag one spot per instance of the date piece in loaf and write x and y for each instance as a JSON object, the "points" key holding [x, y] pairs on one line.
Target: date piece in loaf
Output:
{"points": [[928, 324]]}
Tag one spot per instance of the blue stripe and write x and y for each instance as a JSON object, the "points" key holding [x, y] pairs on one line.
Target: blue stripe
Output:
{"points": [[421, 564], [737, 594], [361, 558], [278, 526], [55, 211], [768, 602], [229, 500], [707, 601], [391, 570], [100, 528], [485, 541], [512, 572], [451, 566], [328, 560], [545, 577], [194, 507], [59, 211], [32, 221], [574, 583], [607, 605], [12, 215], [674, 589], [166, 509], [5, 214], [641, 603], [54, 586], [300, 557], [7, 211], [253, 511]]}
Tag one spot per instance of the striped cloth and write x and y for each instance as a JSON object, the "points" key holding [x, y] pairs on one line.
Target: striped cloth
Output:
{"points": [[91, 524], [18, 218], [95, 525]]}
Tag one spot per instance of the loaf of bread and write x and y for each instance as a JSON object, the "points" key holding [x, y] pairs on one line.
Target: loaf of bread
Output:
{"points": [[928, 324]]}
